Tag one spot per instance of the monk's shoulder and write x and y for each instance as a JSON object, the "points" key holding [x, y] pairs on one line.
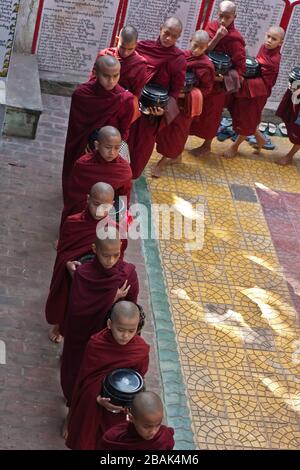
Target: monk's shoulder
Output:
{"points": [[85, 89], [84, 160]]}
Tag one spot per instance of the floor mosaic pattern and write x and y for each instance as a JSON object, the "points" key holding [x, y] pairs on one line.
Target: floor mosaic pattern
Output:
{"points": [[234, 302]]}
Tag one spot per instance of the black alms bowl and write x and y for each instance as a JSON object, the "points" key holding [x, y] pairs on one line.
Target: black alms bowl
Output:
{"points": [[190, 80], [121, 386], [221, 61], [153, 95], [252, 68], [294, 74]]}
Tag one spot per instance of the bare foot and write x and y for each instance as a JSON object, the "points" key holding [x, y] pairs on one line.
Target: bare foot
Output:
{"points": [[260, 142], [65, 431], [230, 152], [201, 151], [176, 161], [54, 334], [159, 167], [286, 160]]}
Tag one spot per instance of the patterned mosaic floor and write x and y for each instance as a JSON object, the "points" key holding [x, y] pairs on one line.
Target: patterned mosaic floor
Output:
{"points": [[234, 301]]}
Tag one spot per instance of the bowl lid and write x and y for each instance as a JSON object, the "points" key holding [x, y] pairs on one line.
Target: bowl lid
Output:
{"points": [[154, 90], [251, 62], [125, 380], [295, 73], [219, 57]]}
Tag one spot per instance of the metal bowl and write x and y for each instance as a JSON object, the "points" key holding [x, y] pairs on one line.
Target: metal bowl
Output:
{"points": [[190, 80], [121, 386], [221, 61], [252, 68], [153, 95]]}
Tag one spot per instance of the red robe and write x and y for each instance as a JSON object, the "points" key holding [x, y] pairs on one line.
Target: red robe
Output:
{"points": [[89, 169], [123, 436], [133, 70], [166, 67], [92, 295], [254, 93], [76, 238], [88, 420], [289, 112], [171, 140], [206, 125], [93, 107]]}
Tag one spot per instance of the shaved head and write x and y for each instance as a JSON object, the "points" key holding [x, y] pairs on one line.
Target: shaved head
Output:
{"points": [[129, 34], [201, 36], [106, 132], [108, 239], [173, 22], [145, 404], [124, 310], [227, 6], [99, 190], [106, 61], [277, 30]]}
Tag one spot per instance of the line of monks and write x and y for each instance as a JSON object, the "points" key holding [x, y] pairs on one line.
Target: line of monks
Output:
{"points": [[92, 303]]}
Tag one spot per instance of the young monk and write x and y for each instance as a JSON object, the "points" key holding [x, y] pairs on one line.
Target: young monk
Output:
{"points": [[166, 66], [117, 346], [133, 65], [289, 112], [248, 103], [143, 431], [102, 164], [96, 286], [171, 141], [97, 103], [224, 38], [76, 239]]}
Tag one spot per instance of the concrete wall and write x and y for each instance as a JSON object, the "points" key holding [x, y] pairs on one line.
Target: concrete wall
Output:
{"points": [[25, 25]]}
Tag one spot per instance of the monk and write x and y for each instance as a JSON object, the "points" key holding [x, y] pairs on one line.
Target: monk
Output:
{"points": [[289, 112], [248, 103], [224, 38], [102, 164], [133, 65], [76, 239], [171, 141], [97, 103], [166, 66], [117, 346], [143, 431], [96, 286]]}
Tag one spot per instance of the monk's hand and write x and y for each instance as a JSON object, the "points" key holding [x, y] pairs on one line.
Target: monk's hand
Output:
{"points": [[105, 402], [72, 266], [219, 78], [181, 95], [156, 111], [221, 32], [122, 291]]}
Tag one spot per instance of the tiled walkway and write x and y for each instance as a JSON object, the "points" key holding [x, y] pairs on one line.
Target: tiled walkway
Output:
{"points": [[234, 302]]}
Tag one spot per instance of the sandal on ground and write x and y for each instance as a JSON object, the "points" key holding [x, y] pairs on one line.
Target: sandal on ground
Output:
{"points": [[282, 128], [271, 128], [263, 126]]}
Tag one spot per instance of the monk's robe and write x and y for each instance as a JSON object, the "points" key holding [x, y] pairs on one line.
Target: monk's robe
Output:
{"points": [[206, 125], [92, 295], [123, 436], [76, 238], [133, 70], [171, 140], [90, 169], [166, 67], [88, 420], [93, 107], [289, 113], [248, 103]]}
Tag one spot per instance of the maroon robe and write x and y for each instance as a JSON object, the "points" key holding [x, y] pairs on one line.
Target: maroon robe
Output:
{"points": [[171, 140], [92, 295], [289, 113], [254, 93], [166, 67], [133, 70], [123, 436], [93, 107], [88, 420], [206, 125], [76, 238], [90, 169]]}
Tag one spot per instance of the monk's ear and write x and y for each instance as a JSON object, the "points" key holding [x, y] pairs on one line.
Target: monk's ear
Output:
{"points": [[87, 198], [109, 323], [94, 250], [130, 417], [96, 144]]}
